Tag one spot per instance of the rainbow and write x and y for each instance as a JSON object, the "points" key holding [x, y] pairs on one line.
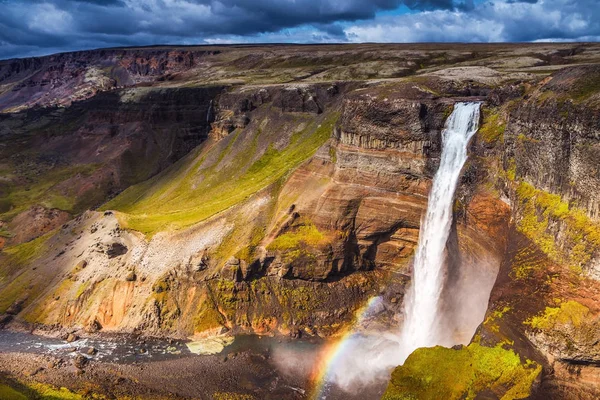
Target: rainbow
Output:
{"points": [[332, 352]]}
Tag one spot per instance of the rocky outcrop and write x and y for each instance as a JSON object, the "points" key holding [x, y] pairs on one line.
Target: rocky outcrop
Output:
{"points": [[35, 222], [554, 145], [61, 79]]}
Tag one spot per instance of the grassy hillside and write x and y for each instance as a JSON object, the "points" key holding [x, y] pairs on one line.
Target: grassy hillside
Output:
{"points": [[219, 175]]}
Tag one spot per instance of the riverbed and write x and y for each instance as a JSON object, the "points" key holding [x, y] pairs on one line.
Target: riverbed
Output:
{"points": [[263, 367]]}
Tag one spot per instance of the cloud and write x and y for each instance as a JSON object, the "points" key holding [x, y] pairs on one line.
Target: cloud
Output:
{"points": [[46, 26], [498, 21]]}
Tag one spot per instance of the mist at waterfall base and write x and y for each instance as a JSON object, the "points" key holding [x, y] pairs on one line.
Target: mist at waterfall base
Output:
{"points": [[433, 314]]}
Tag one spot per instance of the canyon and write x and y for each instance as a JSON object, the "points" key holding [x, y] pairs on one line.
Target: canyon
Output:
{"points": [[201, 192]]}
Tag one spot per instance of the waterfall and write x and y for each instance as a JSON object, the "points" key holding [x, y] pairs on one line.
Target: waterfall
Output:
{"points": [[362, 358], [422, 303], [209, 112]]}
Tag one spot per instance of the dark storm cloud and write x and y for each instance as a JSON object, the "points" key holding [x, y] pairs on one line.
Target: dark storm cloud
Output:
{"points": [[46, 26], [42, 26]]}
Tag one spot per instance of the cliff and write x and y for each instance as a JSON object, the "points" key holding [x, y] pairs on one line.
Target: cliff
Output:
{"points": [[273, 190]]}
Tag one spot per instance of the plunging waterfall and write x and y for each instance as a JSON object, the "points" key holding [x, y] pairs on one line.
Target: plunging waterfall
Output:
{"points": [[422, 303], [361, 358]]}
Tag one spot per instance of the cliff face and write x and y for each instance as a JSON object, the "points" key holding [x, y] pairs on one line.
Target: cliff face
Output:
{"points": [[61, 79], [60, 162], [550, 155], [161, 205]]}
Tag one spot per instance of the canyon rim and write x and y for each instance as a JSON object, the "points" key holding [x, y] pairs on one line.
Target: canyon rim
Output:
{"points": [[257, 222]]}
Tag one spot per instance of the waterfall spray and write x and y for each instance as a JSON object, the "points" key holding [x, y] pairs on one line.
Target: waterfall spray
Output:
{"points": [[422, 304]]}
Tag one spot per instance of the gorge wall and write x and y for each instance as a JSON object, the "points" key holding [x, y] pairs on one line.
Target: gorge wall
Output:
{"points": [[198, 192]]}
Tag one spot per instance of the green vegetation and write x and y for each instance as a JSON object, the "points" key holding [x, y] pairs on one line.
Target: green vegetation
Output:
{"points": [[4, 233], [13, 390], [295, 244], [186, 194], [41, 188], [567, 313], [47, 392], [22, 287], [81, 289], [442, 373], [307, 233], [538, 208], [23, 254], [586, 87], [247, 252], [492, 318], [207, 317], [511, 171], [527, 262], [333, 154], [8, 393], [493, 127]]}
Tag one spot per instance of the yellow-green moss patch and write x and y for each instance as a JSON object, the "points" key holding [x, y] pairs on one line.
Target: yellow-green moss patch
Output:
{"points": [[493, 127], [568, 313], [8, 393], [304, 234], [13, 390], [442, 373], [538, 208]]}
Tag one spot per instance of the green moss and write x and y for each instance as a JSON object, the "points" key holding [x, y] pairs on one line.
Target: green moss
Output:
{"points": [[247, 252], [526, 263], [47, 392], [207, 316], [525, 191], [493, 127], [191, 194], [4, 233], [569, 312], [13, 390], [81, 289], [511, 171], [8, 393], [586, 87], [332, 154], [39, 313], [306, 233], [442, 373], [492, 318], [538, 208], [17, 289]]}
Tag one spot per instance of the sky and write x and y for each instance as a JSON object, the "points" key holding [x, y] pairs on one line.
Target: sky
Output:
{"points": [[40, 27]]}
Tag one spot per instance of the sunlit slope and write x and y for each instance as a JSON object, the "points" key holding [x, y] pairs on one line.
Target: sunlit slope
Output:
{"points": [[222, 173]]}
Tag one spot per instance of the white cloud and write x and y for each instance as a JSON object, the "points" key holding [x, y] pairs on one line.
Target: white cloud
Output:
{"points": [[487, 22], [429, 26], [47, 18]]}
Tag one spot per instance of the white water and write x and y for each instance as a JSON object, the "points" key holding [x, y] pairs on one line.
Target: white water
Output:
{"points": [[422, 303], [367, 357]]}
